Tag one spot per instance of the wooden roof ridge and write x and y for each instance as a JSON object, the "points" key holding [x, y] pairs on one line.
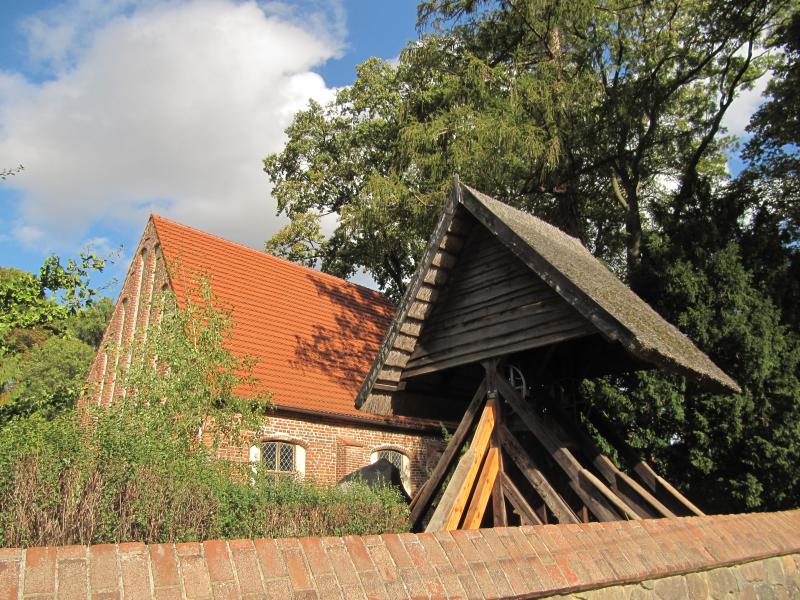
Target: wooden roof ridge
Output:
{"points": [[559, 260]]}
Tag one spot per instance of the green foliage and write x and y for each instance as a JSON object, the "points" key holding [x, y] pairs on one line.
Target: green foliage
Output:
{"points": [[127, 477], [28, 302], [50, 326], [181, 368], [46, 380], [89, 325], [141, 470], [578, 112]]}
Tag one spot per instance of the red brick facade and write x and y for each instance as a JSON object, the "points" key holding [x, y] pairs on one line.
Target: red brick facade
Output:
{"points": [[334, 448], [334, 445]]}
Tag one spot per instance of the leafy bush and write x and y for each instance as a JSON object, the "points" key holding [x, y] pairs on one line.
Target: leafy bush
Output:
{"points": [[118, 478], [139, 470]]}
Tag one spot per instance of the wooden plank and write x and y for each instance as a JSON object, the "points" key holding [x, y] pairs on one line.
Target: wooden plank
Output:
{"points": [[441, 515], [500, 345], [659, 481], [536, 478], [513, 320], [531, 327], [518, 500], [480, 444], [600, 318], [482, 310], [456, 304], [499, 517], [426, 493], [483, 490], [596, 499], [587, 477], [622, 479]]}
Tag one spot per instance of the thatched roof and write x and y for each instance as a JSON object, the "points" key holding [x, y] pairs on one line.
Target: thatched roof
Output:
{"points": [[596, 292], [559, 260]]}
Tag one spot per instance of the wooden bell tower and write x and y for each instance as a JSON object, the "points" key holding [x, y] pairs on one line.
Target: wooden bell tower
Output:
{"points": [[498, 288]]}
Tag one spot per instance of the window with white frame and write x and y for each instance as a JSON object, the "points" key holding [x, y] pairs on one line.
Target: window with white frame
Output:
{"points": [[399, 460], [278, 456]]}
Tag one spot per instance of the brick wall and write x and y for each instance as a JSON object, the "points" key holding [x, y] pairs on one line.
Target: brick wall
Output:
{"points": [[755, 555], [333, 447], [146, 278]]}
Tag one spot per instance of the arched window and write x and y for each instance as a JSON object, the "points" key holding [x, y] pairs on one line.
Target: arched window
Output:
{"points": [[280, 456], [399, 460]]}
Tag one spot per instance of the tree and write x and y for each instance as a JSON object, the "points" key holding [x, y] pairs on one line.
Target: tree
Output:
{"points": [[46, 380], [28, 302], [578, 112], [50, 327], [182, 371], [769, 185], [606, 120], [6, 173]]}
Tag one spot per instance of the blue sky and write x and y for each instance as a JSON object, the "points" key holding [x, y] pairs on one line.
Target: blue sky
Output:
{"points": [[119, 108]]}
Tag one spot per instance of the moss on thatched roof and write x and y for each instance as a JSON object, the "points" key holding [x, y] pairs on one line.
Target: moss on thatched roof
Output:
{"points": [[582, 280]]}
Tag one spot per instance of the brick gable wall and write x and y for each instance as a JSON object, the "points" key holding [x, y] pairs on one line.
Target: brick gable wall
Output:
{"points": [[732, 556], [334, 447]]}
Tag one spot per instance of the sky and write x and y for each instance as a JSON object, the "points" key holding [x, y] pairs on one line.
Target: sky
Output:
{"points": [[120, 108]]}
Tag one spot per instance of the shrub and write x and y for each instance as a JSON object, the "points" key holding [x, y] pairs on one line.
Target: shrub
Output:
{"points": [[137, 471], [120, 479]]}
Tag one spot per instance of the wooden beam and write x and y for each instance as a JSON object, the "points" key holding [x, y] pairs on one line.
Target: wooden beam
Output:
{"points": [[479, 444], [499, 516], [643, 468], [656, 484], [536, 478], [588, 489], [643, 502], [518, 500], [442, 512], [587, 477], [483, 489], [422, 499]]}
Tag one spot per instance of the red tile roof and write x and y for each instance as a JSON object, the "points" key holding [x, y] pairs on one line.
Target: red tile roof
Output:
{"points": [[314, 335]]}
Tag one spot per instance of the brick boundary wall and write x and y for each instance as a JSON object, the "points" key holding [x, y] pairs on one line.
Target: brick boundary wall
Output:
{"points": [[647, 558]]}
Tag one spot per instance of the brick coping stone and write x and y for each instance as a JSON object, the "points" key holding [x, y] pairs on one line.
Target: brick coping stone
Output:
{"points": [[486, 563]]}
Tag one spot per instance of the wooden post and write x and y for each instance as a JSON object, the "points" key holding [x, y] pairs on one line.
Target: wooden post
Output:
{"points": [[483, 489], [451, 507], [518, 501], [480, 444], [421, 502], [499, 517]]}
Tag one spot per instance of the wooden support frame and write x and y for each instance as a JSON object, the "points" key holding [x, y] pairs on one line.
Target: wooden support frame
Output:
{"points": [[453, 503], [657, 485], [629, 490], [483, 489], [536, 478], [499, 516], [421, 502], [480, 480], [518, 501], [597, 497]]}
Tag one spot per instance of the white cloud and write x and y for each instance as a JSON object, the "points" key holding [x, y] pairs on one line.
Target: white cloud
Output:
{"points": [[737, 117], [158, 106]]}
